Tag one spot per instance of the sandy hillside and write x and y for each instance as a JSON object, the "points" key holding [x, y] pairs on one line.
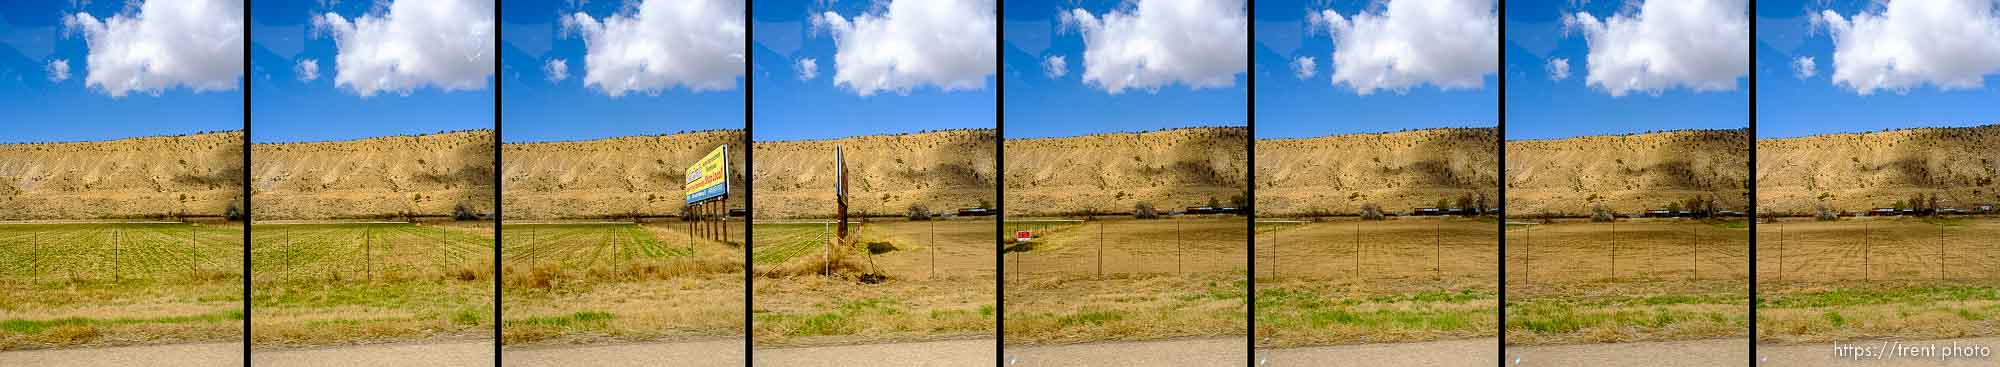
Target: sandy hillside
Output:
{"points": [[610, 177], [1628, 173], [944, 170], [1111, 173], [382, 177], [1398, 170], [147, 177], [1856, 172]]}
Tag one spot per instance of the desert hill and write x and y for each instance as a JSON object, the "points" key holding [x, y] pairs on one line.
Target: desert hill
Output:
{"points": [[1397, 170], [381, 177], [1858, 171], [145, 177], [943, 170], [616, 177], [1112, 173], [1628, 173]]}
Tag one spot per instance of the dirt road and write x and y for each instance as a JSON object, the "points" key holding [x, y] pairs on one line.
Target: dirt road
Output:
{"points": [[473, 353], [1694, 353], [1468, 352], [976, 352], [1827, 355], [175, 355], [1182, 352], [719, 352]]}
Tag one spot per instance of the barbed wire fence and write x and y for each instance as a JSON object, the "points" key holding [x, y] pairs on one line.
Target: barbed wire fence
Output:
{"points": [[1843, 251], [1563, 251], [1105, 248]]}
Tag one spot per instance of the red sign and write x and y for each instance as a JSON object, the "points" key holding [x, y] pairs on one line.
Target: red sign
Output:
{"points": [[1023, 236]]}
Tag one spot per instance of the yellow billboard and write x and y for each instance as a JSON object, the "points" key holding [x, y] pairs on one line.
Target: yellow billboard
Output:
{"points": [[708, 178]]}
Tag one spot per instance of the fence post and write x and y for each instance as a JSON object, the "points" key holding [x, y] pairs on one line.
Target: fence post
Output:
{"points": [[1614, 248], [368, 254], [1357, 249], [934, 248], [1781, 252], [1437, 249], [194, 256], [1100, 250], [1177, 245], [1696, 255], [825, 256], [1864, 251]]}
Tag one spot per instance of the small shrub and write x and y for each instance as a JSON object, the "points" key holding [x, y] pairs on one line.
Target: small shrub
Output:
{"points": [[1145, 211], [919, 212], [1823, 213], [878, 248], [1600, 214], [460, 212], [1370, 211]]}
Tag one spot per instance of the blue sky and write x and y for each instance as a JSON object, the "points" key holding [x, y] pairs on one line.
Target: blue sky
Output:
{"points": [[38, 108], [1290, 107], [536, 108], [288, 109], [788, 108], [1541, 108], [1041, 106], [1789, 106]]}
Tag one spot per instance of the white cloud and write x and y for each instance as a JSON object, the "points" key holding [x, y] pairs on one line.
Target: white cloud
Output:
{"points": [[1558, 68], [556, 70], [1950, 44], [807, 67], [1804, 67], [1703, 45], [1304, 67], [196, 44], [446, 44], [947, 44], [696, 44], [58, 70], [1149, 44], [1451, 44], [307, 70], [1055, 66]]}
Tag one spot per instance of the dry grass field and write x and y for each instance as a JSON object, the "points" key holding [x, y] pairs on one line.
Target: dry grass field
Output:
{"points": [[1573, 281], [96, 284], [939, 282], [609, 282], [1863, 278], [1162, 278], [352, 283], [1347, 281]]}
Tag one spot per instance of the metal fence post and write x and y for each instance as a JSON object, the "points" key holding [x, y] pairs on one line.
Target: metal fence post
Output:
{"points": [[1177, 245], [1695, 256], [1614, 248], [1864, 252], [1100, 250], [934, 248], [1357, 249]]}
